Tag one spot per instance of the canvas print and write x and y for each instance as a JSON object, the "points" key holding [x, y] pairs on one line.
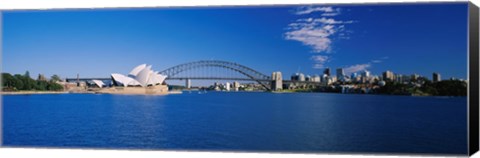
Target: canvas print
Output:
{"points": [[351, 78]]}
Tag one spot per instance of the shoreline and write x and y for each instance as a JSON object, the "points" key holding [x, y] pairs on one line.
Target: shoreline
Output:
{"points": [[33, 92], [180, 92]]}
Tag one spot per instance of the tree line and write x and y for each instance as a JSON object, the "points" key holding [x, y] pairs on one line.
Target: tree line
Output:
{"points": [[25, 82], [441, 88]]}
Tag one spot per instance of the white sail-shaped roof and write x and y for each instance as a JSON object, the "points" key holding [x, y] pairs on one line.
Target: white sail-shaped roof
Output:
{"points": [[151, 78], [161, 78], [98, 83], [124, 80], [137, 69], [141, 75]]}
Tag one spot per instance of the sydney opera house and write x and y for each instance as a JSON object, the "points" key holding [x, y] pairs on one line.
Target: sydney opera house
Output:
{"points": [[141, 80], [142, 76]]}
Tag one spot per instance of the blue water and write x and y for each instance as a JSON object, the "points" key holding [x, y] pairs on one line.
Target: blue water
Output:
{"points": [[295, 122]]}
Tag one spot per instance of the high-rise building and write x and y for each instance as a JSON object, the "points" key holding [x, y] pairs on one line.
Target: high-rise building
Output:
{"points": [[298, 77], [277, 83], [308, 78], [326, 71], [436, 77], [365, 73], [301, 77], [227, 86], [340, 73], [188, 83], [402, 78], [315, 78], [236, 85], [353, 75], [415, 77], [388, 76]]}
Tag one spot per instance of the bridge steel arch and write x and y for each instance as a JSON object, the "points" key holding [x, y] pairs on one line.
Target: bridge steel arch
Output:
{"points": [[244, 70]]}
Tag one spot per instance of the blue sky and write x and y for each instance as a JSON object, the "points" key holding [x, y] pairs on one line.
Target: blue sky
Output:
{"points": [[403, 38]]}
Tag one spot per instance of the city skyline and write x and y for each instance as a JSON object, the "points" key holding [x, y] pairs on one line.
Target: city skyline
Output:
{"points": [[306, 39]]}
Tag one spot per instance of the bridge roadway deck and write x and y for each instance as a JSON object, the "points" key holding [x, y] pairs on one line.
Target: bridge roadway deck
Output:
{"points": [[198, 78]]}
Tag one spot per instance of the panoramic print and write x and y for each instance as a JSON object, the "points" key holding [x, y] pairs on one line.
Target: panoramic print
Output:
{"points": [[370, 78]]}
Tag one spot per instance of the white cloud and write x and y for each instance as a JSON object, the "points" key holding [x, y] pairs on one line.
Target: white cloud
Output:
{"points": [[320, 58], [320, 61], [318, 66], [317, 38], [330, 14], [308, 10], [361, 67], [357, 68], [317, 31]]}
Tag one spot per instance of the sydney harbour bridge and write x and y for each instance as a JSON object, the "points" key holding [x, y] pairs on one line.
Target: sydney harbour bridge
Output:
{"points": [[211, 70]]}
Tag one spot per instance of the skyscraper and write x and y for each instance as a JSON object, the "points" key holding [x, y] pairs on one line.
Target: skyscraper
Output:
{"points": [[415, 77], [326, 71], [365, 73], [353, 75], [388, 76], [340, 73], [436, 77]]}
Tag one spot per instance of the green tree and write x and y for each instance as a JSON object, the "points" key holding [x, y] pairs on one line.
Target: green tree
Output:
{"points": [[41, 85], [27, 74], [55, 78], [8, 81], [54, 86]]}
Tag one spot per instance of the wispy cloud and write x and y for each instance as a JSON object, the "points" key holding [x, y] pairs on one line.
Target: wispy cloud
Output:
{"points": [[320, 61], [330, 14], [310, 9], [318, 31], [361, 67], [357, 68]]}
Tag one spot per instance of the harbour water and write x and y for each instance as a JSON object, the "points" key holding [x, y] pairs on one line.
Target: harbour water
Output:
{"points": [[238, 121]]}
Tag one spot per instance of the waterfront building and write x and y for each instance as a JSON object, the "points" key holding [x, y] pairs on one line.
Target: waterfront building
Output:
{"points": [[277, 81], [327, 81], [402, 78], [236, 85], [308, 78], [363, 79], [294, 77], [301, 77], [334, 79], [365, 73], [315, 78], [188, 83], [141, 75], [388, 76], [298, 77], [415, 77], [340, 74], [353, 75], [436, 77], [216, 86], [227, 86], [326, 71]]}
